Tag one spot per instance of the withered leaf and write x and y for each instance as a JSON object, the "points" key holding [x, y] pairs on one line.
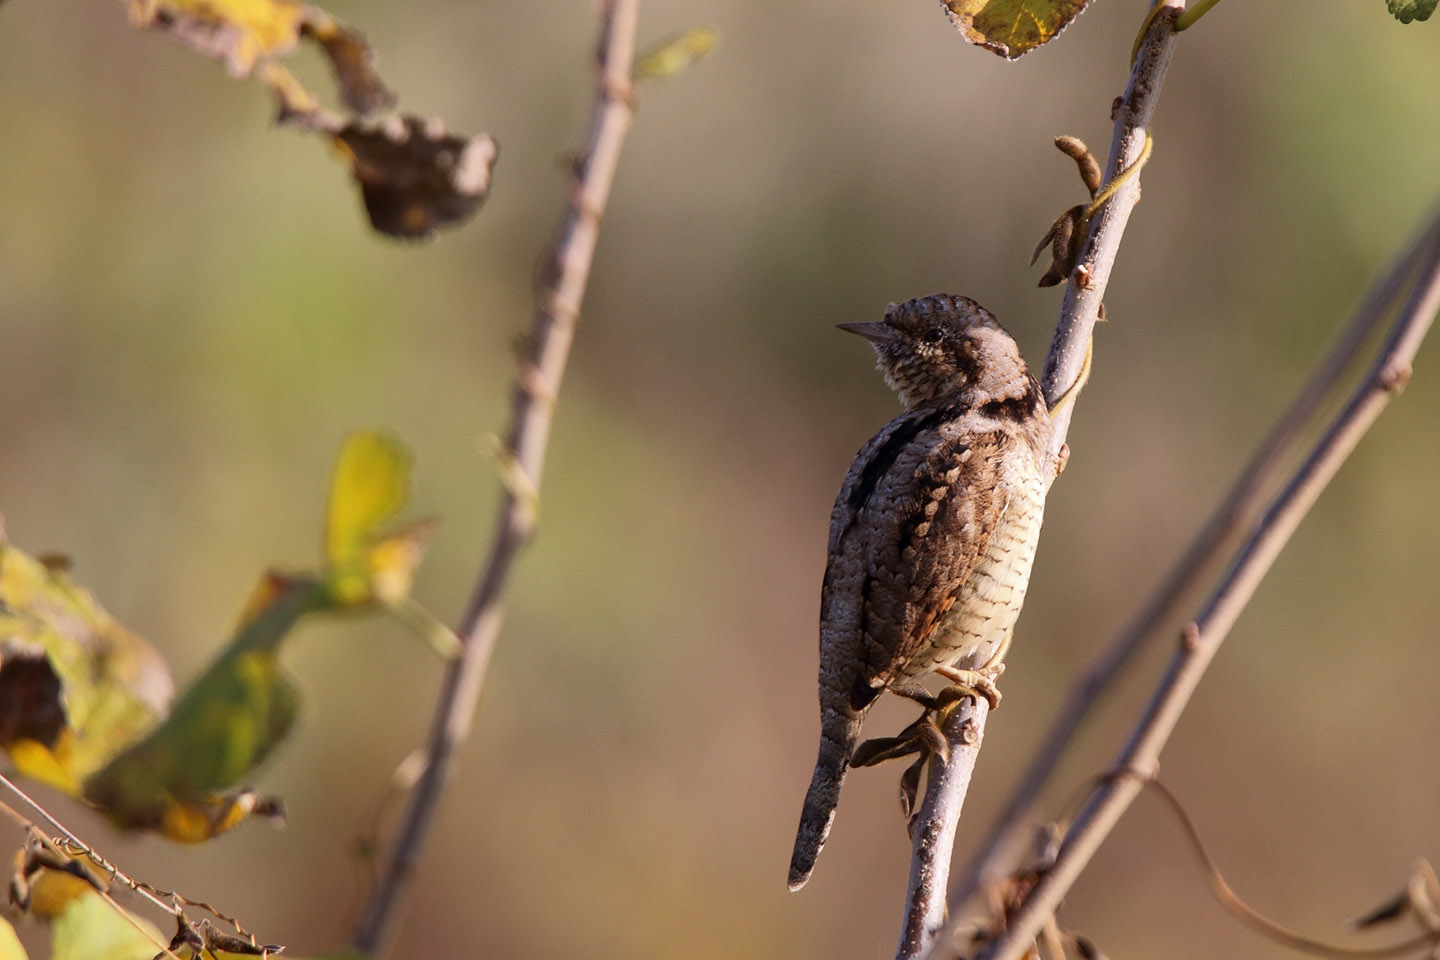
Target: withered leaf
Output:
{"points": [[1012, 28], [414, 176]]}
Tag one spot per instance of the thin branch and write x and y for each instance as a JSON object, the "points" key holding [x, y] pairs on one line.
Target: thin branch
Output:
{"points": [[1262, 924], [1202, 638], [542, 367], [990, 861], [68, 844], [1067, 363], [933, 831]]}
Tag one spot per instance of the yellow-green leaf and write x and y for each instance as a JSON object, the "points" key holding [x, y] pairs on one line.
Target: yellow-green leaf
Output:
{"points": [[371, 483], [364, 566], [89, 927], [674, 54], [1012, 28], [76, 687]]}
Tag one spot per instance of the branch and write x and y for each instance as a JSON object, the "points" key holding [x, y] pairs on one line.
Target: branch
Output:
{"points": [[541, 369], [1065, 366], [989, 862], [1202, 638], [933, 830]]}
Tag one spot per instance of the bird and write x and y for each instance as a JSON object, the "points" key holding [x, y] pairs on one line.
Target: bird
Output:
{"points": [[933, 532]]}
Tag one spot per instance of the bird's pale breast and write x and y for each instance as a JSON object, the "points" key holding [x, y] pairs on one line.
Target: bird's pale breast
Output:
{"points": [[988, 603]]}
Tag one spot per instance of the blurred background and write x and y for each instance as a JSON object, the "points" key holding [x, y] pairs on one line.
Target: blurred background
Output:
{"points": [[193, 313]]}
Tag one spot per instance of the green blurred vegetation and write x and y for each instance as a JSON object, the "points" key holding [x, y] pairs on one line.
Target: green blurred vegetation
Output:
{"points": [[194, 314]]}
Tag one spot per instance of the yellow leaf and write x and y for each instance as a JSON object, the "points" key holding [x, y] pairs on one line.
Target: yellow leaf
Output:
{"points": [[677, 53], [10, 948], [371, 483], [1012, 28]]}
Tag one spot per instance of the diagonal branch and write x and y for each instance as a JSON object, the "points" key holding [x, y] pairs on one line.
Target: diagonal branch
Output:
{"points": [[1065, 368], [1202, 638], [541, 368], [989, 861]]}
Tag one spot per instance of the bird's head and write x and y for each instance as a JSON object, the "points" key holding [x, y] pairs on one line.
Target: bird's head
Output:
{"points": [[936, 348]]}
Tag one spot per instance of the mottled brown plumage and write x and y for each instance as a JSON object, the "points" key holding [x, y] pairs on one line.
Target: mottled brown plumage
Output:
{"points": [[933, 532]]}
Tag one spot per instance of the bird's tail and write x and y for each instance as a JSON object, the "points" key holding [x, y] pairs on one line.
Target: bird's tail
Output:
{"points": [[839, 733]]}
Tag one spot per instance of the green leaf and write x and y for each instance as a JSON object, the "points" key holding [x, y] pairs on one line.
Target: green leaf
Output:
{"points": [[76, 687], [1408, 10], [89, 927], [10, 948], [178, 780], [1012, 28]]}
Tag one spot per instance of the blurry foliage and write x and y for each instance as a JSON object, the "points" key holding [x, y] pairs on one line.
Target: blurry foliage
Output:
{"points": [[414, 177], [179, 779]]}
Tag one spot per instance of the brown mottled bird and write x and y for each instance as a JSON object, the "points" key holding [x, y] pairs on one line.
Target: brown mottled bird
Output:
{"points": [[932, 534]]}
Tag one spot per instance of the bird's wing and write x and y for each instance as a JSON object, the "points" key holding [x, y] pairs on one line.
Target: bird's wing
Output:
{"points": [[915, 515]]}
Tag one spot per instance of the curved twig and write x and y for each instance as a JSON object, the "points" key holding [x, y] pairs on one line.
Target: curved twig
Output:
{"points": [[1202, 638], [1262, 924], [542, 366]]}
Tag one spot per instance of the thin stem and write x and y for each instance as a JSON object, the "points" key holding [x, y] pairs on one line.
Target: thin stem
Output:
{"points": [[1067, 362], [989, 861], [1202, 638], [542, 367]]}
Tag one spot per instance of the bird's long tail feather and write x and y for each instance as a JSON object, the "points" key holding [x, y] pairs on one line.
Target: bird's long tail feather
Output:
{"points": [[839, 733]]}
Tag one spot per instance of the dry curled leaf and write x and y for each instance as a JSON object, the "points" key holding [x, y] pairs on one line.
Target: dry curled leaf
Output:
{"points": [[415, 177]]}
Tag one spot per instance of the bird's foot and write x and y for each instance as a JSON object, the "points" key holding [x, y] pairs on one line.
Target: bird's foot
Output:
{"points": [[971, 683], [925, 737]]}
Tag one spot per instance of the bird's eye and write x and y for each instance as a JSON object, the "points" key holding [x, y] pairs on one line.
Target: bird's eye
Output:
{"points": [[934, 335]]}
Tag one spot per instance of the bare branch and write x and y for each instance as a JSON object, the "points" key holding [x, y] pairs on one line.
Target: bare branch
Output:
{"points": [[542, 366], [933, 830], [1202, 638], [990, 862], [1067, 362]]}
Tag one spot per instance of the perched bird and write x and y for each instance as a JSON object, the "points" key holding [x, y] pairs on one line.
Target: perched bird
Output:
{"points": [[933, 532]]}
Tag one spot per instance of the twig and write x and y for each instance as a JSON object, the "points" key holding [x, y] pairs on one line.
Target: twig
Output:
{"points": [[1066, 363], [1262, 924], [1202, 638], [542, 367], [70, 845], [933, 831], [990, 860]]}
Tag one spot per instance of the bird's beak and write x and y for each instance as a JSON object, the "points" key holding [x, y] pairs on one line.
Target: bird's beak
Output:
{"points": [[874, 332]]}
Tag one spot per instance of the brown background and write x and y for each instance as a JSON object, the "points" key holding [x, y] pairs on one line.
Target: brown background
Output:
{"points": [[193, 315]]}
